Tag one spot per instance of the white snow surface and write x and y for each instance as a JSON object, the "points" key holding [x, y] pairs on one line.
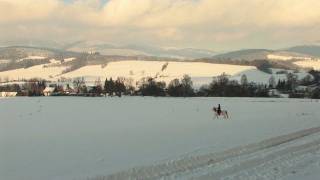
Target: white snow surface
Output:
{"points": [[286, 58], [201, 73], [44, 71], [315, 64], [4, 61], [130, 69], [69, 59], [63, 138], [140, 69], [254, 75], [32, 57]]}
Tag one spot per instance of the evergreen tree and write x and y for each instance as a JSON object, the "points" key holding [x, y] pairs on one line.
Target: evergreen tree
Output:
{"points": [[119, 87], [244, 80], [109, 87]]}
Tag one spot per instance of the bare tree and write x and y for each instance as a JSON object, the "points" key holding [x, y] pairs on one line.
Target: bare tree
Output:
{"points": [[164, 66], [272, 82], [78, 83]]}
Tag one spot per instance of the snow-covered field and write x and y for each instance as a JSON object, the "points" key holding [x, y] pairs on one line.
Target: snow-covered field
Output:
{"points": [[63, 138]]}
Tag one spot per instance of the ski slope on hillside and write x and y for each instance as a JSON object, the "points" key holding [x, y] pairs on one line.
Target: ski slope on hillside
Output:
{"points": [[65, 138]]}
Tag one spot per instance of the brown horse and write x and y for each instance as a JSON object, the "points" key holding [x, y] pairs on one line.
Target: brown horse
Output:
{"points": [[222, 113]]}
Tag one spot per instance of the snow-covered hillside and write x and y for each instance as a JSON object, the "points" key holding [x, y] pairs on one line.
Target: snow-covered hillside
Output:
{"points": [[136, 49], [131, 69], [33, 57], [139, 69], [315, 64], [201, 73], [257, 76], [256, 54], [65, 138], [287, 58], [44, 71]]}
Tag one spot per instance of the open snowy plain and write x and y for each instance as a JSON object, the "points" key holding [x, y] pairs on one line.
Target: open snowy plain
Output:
{"points": [[74, 138]]}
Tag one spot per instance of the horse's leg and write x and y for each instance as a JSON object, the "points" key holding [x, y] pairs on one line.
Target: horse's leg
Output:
{"points": [[215, 116], [227, 114]]}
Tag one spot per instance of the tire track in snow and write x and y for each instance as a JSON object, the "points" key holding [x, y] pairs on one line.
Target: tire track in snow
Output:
{"points": [[192, 163], [283, 154]]}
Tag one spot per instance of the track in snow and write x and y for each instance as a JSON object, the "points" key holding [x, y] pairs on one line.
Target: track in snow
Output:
{"points": [[270, 159]]}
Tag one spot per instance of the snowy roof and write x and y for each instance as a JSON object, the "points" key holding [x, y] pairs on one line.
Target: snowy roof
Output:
{"points": [[49, 89]]}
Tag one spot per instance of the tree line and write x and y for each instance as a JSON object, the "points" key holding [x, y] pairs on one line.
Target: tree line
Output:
{"points": [[221, 86]]}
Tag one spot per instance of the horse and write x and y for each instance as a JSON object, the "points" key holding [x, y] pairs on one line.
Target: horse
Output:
{"points": [[223, 113]]}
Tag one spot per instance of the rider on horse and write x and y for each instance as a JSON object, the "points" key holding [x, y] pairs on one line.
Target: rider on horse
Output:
{"points": [[219, 112], [219, 109]]}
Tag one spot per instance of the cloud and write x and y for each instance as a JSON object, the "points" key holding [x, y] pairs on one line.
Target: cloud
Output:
{"points": [[26, 10], [172, 22]]}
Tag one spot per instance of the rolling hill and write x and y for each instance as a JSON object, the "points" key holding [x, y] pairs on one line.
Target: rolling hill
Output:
{"points": [[23, 62], [311, 50]]}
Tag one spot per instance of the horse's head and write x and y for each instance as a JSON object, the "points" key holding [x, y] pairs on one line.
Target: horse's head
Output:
{"points": [[214, 109]]}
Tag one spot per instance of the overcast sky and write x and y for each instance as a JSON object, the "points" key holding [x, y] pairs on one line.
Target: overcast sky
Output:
{"points": [[212, 24]]}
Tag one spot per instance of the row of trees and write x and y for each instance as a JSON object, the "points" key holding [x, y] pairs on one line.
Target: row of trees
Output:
{"points": [[220, 86], [32, 87]]}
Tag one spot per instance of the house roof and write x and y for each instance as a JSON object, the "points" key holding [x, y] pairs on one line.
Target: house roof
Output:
{"points": [[49, 89]]}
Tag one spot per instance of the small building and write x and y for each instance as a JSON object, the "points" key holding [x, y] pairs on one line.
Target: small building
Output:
{"points": [[313, 87], [274, 93], [302, 88], [283, 95], [8, 94], [48, 91]]}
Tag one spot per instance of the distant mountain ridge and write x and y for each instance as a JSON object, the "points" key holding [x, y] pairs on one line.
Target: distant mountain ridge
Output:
{"points": [[246, 54], [106, 48], [135, 49], [101, 53], [15, 57], [312, 50]]}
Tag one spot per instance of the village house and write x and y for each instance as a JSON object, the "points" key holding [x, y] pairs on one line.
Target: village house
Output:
{"points": [[274, 93], [8, 94], [48, 91]]}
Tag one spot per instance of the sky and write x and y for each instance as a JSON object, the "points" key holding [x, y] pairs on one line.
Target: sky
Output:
{"points": [[219, 25]]}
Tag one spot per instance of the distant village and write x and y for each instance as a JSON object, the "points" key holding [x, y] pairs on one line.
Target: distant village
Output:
{"points": [[221, 86]]}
